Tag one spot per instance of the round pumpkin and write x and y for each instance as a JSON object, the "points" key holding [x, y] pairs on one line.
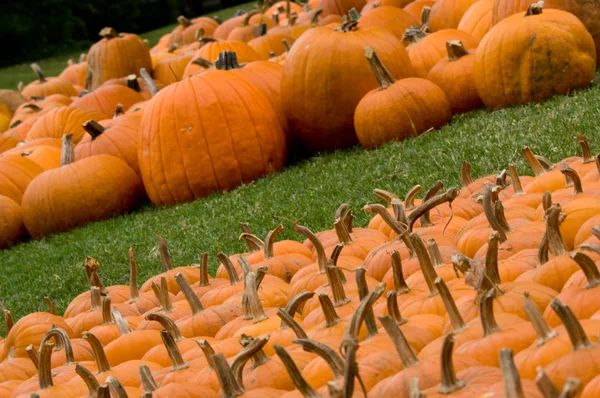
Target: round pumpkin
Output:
{"points": [[106, 98], [394, 19], [446, 14], [320, 88], [542, 53], [340, 7], [170, 70], [188, 120], [61, 121], [12, 229], [74, 73], [478, 19], [211, 50], [46, 86]]}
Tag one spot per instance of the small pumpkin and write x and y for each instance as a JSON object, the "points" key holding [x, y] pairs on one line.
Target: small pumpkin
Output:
{"points": [[44, 86]]}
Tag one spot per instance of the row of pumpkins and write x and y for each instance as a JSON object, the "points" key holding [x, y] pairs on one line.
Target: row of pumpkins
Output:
{"points": [[217, 105], [489, 290]]}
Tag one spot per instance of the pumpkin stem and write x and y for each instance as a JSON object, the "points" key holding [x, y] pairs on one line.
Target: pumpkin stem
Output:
{"points": [[203, 62], [150, 83], [164, 254], [62, 340], [207, 351], [333, 359], [385, 195], [227, 60], [491, 259], [286, 44], [533, 162], [400, 285], [331, 316], [183, 21], [45, 365], [167, 324], [545, 385], [555, 240], [166, 299], [67, 154], [543, 331], [545, 162], [173, 351], [572, 177], [159, 296], [588, 267], [382, 74], [465, 174], [586, 153], [424, 262], [492, 213], [132, 83], [252, 348], [251, 304], [107, 318], [204, 280], [456, 50], [486, 314], [191, 298], [116, 388], [366, 305], [389, 220], [458, 324], [342, 232], [321, 256], [147, 379], [351, 368], [363, 291], [295, 375], [289, 322], [393, 309], [535, 9], [133, 289], [230, 388], [95, 298], [259, 358], [253, 242], [34, 355], [98, 350], [91, 267], [510, 374], [8, 320], [426, 206], [88, 378], [314, 21], [570, 388], [449, 381], [434, 253], [515, 181], [122, 324], [39, 72], [411, 195], [336, 285], [108, 33], [234, 278], [297, 301], [270, 241], [51, 305], [403, 348], [435, 188]]}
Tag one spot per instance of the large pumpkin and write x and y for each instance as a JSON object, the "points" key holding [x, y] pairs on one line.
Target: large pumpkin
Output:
{"points": [[183, 154], [74, 73], [211, 49], [116, 55], [325, 76], [77, 193], [106, 98], [12, 229], [505, 8], [532, 56]]}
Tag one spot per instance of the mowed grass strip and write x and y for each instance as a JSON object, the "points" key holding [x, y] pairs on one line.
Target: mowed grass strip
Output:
{"points": [[308, 192], [12, 75]]}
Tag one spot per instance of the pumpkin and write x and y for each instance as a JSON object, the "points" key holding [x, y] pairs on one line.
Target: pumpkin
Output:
{"points": [[446, 14], [105, 100], [454, 75], [7, 142], [320, 119], [115, 55], [504, 9], [61, 121], [118, 137], [268, 45], [394, 19], [224, 29], [188, 30], [46, 156], [16, 172], [47, 210], [209, 105], [376, 124], [525, 75], [75, 73], [339, 7], [11, 98], [12, 229], [211, 49], [245, 31], [416, 8], [44, 86], [477, 20], [375, 4], [170, 69]]}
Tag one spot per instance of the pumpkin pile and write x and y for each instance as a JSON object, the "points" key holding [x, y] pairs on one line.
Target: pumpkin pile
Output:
{"points": [[487, 290], [216, 104]]}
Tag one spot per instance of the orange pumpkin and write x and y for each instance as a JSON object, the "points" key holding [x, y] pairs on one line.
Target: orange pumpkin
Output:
{"points": [[106, 98], [44, 87], [61, 121], [12, 229], [394, 19], [446, 14], [477, 20]]}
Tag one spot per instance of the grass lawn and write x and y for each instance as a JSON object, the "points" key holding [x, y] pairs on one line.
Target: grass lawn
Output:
{"points": [[12, 75], [309, 191]]}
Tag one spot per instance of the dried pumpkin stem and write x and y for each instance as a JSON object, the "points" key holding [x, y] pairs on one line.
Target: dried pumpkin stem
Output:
{"points": [[67, 154], [403, 348], [45, 366], [588, 267], [512, 380], [167, 324], [434, 253], [252, 306], [204, 280], [331, 316], [555, 240], [465, 174], [207, 351], [132, 83], [88, 378], [256, 244], [116, 388], [491, 258], [270, 241], [333, 359], [426, 206], [393, 309], [253, 348], [400, 285], [289, 322], [133, 289], [99, 355], [173, 351], [321, 256], [297, 301], [366, 304], [491, 214], [385, 195], [8, 320], [382, 74], [150, 83], [337, 287], [449, 382], [148, 382], [391, 222], [166, 299], [534, 9], [34, 355], [119, 111], [458, 323], [107, 318], [122, 324], [227, 60], [545, 385], [572, 175], [164, 254], [486, 314], [51, 305], [191, 298], [363, 291], [543, 331], [425, 263], [570, 388], [533, 162], [94, 128], [95, 298], [295, 375], [411, 195], [230, 388], [108, 33], [456, 50], [515, 181], [234, 278]]}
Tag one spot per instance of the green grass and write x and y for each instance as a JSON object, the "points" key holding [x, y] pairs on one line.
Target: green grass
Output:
{"points": [[309, 191], [12, 75]]}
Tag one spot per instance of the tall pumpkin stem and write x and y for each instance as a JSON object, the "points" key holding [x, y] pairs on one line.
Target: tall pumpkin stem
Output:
{"points": [[425, 263], [515, 181], [336, 285], [449, 381], [331, 316], [405, 352], [163, 250], [400, 285], [430, 204], [150, 83], [533, 162], [573, 178], [382, 74], [173, 351], [588, 267], [234, 278], [204, 280], [99, 355], [133, 289], [252, 306], [491, 258], [333, 359], [147, 379], [512, 381], [166, 323], [543, 331], [191, 298], [545, 385], [252, 348], [230, 388], [67, 154], [39, 73], [45, 366], [270, 242], [457, 321], [290, 322], [431, 192], [366, 305], [295, 375], [321, 256], [555, 240], [486, 314], [88, 378], [393, 309]]}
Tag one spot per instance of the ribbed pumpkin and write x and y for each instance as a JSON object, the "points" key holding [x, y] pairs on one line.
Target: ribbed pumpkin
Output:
{"points": [[224, 29], [12, 229], [532, 56], [45, 86], [74, 73], [211, 49], [478, 19], [188, 30], [340, 7], [77, 193], [106, 98], [505, 8], [117, 137], [116, 55], [268, 44], [323, 119], [61, 121], [188, 120], [394, 19], [45, 156], [170, 70], [416, 7], [16, 172], [446, 14], [376, 118], [454, 75]]}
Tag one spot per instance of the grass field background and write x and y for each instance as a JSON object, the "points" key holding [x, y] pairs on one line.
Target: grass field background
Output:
{"points": [[308, 191]]}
